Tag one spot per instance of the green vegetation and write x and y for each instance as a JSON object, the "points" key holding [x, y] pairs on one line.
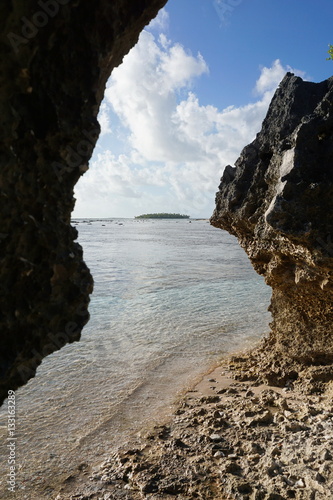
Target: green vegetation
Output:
{"points": [[330, 53], [162, 216]]}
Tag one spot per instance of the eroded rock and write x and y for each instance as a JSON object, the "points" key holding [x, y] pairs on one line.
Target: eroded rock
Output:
{"points": [[278, 201]]}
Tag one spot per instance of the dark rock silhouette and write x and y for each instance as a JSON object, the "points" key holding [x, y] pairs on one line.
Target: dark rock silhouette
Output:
{"points": [[56, 56], [278, 201]]}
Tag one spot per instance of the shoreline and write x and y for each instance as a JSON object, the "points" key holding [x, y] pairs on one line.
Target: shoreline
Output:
{"points": [[226, 440]]}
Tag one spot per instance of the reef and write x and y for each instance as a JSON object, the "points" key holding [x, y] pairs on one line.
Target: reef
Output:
{"points": [[278, 202], [56, 56]]}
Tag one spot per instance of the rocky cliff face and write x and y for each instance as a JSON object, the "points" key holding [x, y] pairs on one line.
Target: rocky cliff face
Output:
{"points": [[56, 56], [278, 201]]}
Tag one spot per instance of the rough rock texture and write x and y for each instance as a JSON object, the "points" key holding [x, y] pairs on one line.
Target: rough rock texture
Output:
{"points": [[278, 201], [56, 56], [239, 442]]}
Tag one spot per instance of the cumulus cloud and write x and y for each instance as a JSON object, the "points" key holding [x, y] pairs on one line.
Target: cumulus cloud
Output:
{"points": [[271, 77], [176, 148], [104, 119], [161, 21], [143, 93]]}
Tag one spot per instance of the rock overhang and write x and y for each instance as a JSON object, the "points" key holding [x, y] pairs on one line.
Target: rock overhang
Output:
{"points": [[56, 58]]}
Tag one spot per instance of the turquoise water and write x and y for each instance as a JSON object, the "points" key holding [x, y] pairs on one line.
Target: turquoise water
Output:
{"points": [[171, 297]]}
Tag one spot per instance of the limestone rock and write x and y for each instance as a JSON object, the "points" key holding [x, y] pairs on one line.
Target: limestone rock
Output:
{"points": [[278, 201]]}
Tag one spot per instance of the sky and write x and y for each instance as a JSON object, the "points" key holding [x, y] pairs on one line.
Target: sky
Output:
{"points": [[190, 95]]}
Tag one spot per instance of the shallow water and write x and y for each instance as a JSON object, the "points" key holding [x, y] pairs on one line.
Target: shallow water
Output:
{"points": [[171, 298]]}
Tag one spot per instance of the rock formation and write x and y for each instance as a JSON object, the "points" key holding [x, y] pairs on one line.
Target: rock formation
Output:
{"points": [[226, 441], [56, 56], [278, 202]]}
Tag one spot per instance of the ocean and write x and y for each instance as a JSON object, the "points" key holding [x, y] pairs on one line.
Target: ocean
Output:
{"points": [[171, 298]]}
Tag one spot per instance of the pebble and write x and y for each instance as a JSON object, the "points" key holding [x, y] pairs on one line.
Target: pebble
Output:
{"points": [[299, 484], [215, 437]]}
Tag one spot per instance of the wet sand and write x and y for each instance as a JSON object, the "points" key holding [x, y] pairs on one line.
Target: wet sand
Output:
{"points": [[226, 439]]}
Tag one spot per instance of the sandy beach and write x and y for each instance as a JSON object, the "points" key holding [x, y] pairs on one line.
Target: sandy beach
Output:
{"points": [[227, 439]]}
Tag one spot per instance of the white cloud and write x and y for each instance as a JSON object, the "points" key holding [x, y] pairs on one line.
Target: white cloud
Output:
{"points": [[161, 21], [178, 147], [143, 92], [271, 77], [104, 119]]}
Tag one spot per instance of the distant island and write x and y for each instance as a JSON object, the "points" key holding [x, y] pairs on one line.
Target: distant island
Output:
{"points": [[162, 216]]}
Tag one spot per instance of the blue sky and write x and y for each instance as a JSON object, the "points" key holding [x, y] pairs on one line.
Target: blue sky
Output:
{"points": [[191, 95]]}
